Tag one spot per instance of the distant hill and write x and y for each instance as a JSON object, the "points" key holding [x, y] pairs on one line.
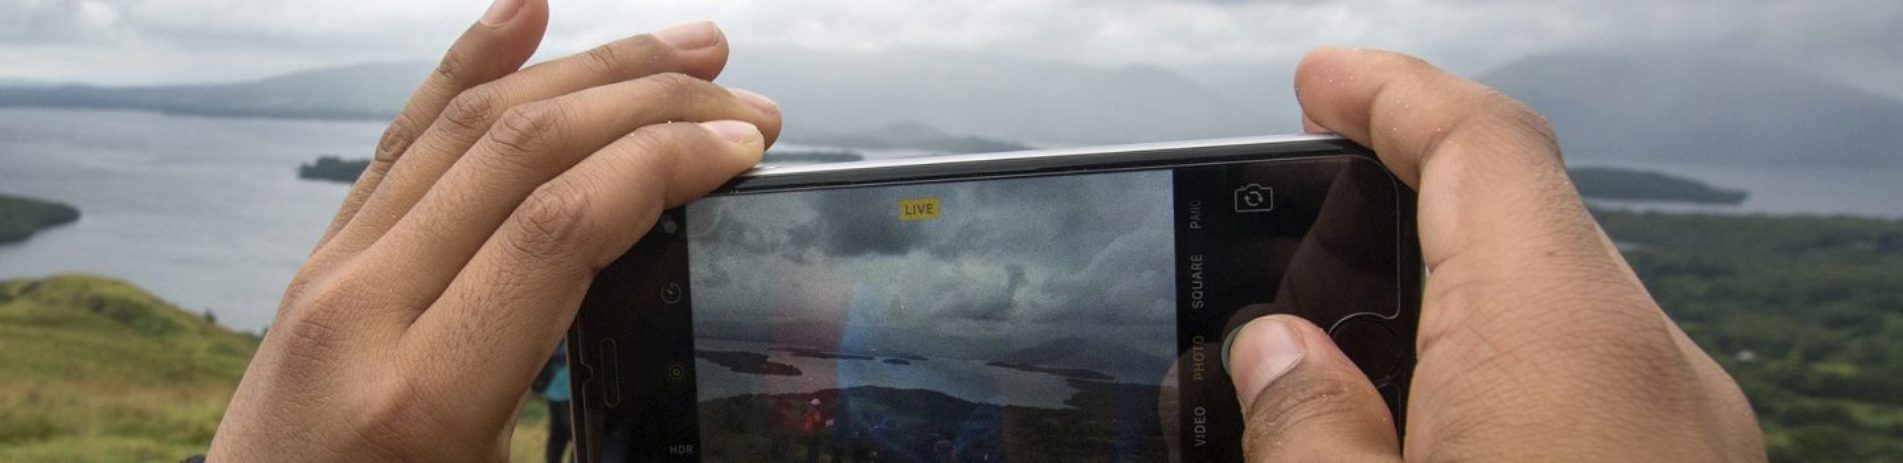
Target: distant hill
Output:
{"points": [[1685, 108], [988, 95], [1093, 354], [1649, 107], [20, 217], [820, 92], [16, 82], [93, 369], [366, 91], [905, 135]]}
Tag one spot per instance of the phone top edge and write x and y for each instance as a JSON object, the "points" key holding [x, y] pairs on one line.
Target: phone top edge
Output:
{"points": [[766, 177]]}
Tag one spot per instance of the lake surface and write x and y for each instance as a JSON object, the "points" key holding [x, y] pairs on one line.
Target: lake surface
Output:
{"points": [[208, 213], [969, 380]]}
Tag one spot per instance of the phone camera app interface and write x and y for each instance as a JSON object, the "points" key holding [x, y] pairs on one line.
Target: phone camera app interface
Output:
{"points": [[963, 321]]}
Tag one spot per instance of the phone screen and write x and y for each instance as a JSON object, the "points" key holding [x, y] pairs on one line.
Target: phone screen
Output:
{"points": [[1069, 317]]}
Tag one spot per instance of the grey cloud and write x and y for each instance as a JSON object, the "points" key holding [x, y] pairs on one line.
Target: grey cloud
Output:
{"points": [[855, 222], [214, 40], [1022, 252], [40, 23]]}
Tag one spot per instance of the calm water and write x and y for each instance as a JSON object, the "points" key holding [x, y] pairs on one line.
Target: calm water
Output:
{"points": [[205, 213], [208, 212], [969, 380]]}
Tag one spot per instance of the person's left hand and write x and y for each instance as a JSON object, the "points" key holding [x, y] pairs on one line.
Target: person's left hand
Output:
{"points": [[464, 251]]}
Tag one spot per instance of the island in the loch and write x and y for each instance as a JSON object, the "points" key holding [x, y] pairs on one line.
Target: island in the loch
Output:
{"points": [[334, 169], [20, 217], [1620, 184], [747, 362], [1072, 373]]}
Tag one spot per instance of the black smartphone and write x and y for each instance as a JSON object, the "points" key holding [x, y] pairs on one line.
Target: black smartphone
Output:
{"points": [[1059, 305]]}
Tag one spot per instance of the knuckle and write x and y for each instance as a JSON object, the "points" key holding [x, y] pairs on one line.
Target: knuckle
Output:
{"points": [[525, 131], [653, 148], [660, 139], [552, 218], [1534, 125], [673, 79], [396, 138], [454, 67], [312, 337], [1512, 115], [388, 424], [632, 57], [607, 57], [313, 325], [470, 111], [679, 88]]}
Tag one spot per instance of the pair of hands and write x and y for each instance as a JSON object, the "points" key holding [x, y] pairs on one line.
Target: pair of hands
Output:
{"points": [[464, 251]]}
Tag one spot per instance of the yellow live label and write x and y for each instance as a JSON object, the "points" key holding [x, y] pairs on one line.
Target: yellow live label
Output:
{"points": [[914, 209]]}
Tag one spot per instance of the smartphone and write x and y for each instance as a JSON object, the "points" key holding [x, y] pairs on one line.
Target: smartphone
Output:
{"points": [[1057, 305]]}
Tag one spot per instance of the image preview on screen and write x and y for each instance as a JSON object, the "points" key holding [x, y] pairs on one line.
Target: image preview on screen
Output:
{"points": [[926, 321]]}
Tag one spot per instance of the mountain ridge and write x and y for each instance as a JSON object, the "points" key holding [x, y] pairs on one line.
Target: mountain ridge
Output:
{"points": [[1645, 107], [1699, 109]]}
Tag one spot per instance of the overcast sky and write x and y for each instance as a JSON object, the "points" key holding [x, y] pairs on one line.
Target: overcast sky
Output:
{"points": [[168, 41]]}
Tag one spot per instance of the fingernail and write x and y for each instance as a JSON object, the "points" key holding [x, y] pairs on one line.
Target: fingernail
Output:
{"points": [[501, 12], [735, 131], [690, 36], [757, 101], [1261, 351]]}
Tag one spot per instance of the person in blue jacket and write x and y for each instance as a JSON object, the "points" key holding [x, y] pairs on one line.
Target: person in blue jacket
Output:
{"points": [[552, 383]]}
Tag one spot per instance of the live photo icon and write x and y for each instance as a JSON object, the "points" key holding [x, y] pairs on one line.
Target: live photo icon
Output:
{"points": [[1255, 198]]}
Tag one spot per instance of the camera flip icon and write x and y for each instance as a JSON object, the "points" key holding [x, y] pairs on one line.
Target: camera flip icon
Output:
{"points": [[1255, 198]]}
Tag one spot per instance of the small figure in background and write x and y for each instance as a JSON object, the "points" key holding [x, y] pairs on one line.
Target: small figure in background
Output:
{"points": [[552, 383]]}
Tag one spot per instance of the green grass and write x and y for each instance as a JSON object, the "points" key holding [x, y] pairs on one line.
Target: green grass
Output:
{"points": [[94, 369], [1805, 312]]}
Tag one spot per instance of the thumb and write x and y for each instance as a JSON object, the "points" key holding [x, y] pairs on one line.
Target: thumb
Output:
{"points": [[1302, 399]]}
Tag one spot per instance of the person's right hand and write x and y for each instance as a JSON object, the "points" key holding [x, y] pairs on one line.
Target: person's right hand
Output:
{"points": [[1536, 340]]}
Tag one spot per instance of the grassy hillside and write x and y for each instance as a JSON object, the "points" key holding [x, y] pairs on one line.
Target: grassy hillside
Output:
{"points": [[93, 369], [20, 216], [1805, 312]]}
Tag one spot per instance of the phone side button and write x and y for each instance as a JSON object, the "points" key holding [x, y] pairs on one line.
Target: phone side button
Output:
{"points": [[610, 374]]}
